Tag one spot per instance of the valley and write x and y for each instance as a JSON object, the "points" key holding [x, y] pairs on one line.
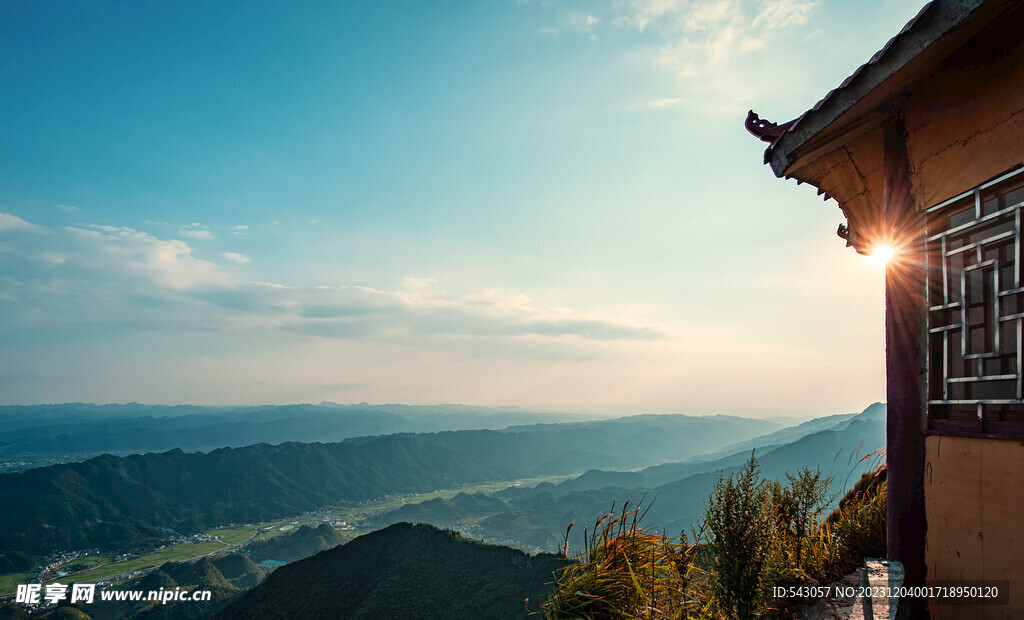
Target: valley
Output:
{"points": [[109, 571]]}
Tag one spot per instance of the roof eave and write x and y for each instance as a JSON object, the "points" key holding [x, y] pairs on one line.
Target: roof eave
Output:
{"points": [[922, 42]]}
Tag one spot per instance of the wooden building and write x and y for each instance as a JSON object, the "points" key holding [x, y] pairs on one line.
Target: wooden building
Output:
{"points": [[923, 149]]}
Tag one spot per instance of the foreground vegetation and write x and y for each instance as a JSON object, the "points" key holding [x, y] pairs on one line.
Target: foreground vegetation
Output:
{"points": [[756, 535]]}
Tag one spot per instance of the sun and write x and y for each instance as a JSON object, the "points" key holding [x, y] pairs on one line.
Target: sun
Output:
{"points": [[882, 254]]}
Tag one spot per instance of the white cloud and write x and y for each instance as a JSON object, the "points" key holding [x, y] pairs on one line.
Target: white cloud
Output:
{"points": [[67, 208], [13, 222], [413, 313], [119, 231], [201, 234], [52, 258], [708, 35], [660, 104], [115, 275], [710, 16], [665, 103], [583, 23], [114, 280], [419, 315], [708, 44], [165, 263], [643, 12], [784, 13], [418, 284], [240, 229]]}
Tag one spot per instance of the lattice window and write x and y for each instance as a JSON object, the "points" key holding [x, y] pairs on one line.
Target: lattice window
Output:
{"points": [[975, 297]]}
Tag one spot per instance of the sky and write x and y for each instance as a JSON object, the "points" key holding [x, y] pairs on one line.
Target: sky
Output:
{"points": [[538, 203]]}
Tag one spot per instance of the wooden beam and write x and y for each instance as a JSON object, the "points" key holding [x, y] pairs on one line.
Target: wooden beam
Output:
{"points": [[905, 365]]}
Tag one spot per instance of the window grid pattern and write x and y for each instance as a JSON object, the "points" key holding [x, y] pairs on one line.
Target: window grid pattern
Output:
{"points": [[975, 323]]}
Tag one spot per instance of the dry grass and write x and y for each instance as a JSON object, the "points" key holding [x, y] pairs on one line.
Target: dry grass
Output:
{"points": [[855, 530], [623, 573]]}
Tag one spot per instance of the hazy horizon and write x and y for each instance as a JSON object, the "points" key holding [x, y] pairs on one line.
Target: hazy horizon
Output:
{"points": [[595, 411]]}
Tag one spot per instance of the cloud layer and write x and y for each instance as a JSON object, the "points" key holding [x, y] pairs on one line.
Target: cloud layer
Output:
{"points": [[13, 222], [99, 272], [711, 47]]}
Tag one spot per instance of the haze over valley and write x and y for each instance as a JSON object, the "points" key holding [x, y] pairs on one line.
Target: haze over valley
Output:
{"points": [[519, 485]]}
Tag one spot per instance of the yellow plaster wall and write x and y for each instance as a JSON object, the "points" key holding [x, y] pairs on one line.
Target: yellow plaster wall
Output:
{"points": [[965, 123], [974, 501]]}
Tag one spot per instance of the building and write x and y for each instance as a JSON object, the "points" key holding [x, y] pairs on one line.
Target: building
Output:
{"points": [[923, 150]]}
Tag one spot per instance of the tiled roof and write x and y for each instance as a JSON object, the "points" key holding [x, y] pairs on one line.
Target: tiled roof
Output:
{"points": [[935, 20]]}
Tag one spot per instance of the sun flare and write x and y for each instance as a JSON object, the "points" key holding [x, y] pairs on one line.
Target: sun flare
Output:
{"points": [[882, 254]]}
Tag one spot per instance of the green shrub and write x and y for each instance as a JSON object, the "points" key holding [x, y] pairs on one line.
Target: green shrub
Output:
{"points": [[736, 525]]}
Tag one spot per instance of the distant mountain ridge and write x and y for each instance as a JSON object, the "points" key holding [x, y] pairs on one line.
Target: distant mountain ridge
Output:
{"points": [[77, 428], [535, 518], [38, 435]]}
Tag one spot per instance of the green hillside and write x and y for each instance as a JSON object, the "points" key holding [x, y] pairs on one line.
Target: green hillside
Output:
{"points": [[301, 543], [403, 571]]}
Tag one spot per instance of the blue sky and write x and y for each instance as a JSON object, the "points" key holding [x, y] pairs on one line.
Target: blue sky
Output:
{"points": [[535, 203]]}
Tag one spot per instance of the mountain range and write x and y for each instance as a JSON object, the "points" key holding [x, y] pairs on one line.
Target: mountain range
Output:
{"points": [[668, 463], [842, 447], [124, 502], [42, 434], [39, 435]]}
